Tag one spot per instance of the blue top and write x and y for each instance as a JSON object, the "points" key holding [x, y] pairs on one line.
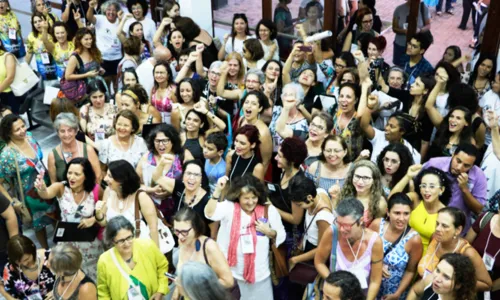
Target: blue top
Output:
{"points": [[214, 172]]}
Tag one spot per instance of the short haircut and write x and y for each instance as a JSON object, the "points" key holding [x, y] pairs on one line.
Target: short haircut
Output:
{"points": [[297, 88], [468, 149], [114, 3], [294, 150], [18, 246], [199, 164], [116, 224], [6, 126], [187, 214], [258, 73], [166, 65], [300, 187], [132, 46], [425, 39], [399, 198], [127, 114], [170, 132], [245, 184], [255, 48], [123, 172], [199, 281], [350, 207], [205, 126], [143, 4], [90, 177], [219, 139], [269, 25], [66, 259], [339, 139], [350, 288], [68, 119], [325, 117]]}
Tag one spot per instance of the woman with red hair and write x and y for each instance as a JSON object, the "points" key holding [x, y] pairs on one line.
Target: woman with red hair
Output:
{"points": [[376, 48], [246, 157], [364, 21]]}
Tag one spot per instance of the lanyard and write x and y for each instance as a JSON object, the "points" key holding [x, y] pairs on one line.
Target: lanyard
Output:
{"points": [[359, 247], [486, 247]]}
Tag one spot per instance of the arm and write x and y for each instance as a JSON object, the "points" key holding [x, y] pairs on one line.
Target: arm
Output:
{"points": [[94, 161], [69, 74], [165, 182], [159, 32], [430, 105], [51, 164], [90, 12], [222, 52], [101, 209], [266, 148], [9, 215], [29, 56], [148, 211], [119, 31], [414, 248], [293, 218], [10, 66], [347, 43], [473, 203], [410, 174], [199, 61], [212, 202], [479, 136], [87, 291], [221, 92], [45, 39], [259, 172], [281, 127], [54, 190], [175, 119], [417, 289], [103, 291], [396, 28], [366, 117], [288, 66], [376, 270], [219, 264], [65, 13], [84, 110], [323, 253], [483, 278], [471, 235], [185, 68]]}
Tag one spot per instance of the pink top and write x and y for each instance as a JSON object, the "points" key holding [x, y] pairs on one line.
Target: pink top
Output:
{"points": [[165, 104]]}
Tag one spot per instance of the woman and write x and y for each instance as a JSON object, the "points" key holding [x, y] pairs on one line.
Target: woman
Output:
{"points": [[27, 274], [8, 66], [377, 67], [445, 282], [125, 144], [239, 33], [122, 195], [273, 72], [10, 34], [313, 18], [446, 77], [453, 55], [97, 117], [86, 52], [247, 149], [198, 281], [164, 91], [65, 261], [22, 159], [393, 163], [364, 182], [135, 29], [189, 92], [447, 239], [267, 32], [132, 98], [77, 203], [196, 247], [233, 80], [131, 57], [66, 125], [190, 191], [139, 10], [483, 74], [108, 44], [253, 54], [402, 248], [132, 267], [34, 46], [345, 75], [330, 170], [163, 139], [44, 8], [364, 20], [129, 78], [484, 237], [319, 128], [343, 61], [245, 208], [351, 236], [62, 49]]}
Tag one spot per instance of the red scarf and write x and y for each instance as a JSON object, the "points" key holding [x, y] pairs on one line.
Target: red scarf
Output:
{"points": [[249, 270]]}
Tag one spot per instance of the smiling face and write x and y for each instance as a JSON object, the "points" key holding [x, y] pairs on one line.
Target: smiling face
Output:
{"points": [[177, 39], [185, 233], [66, 134], [112, 13], [393, 131], [86, 41], [214, 76], [367, 22], [193, 122], [317, 129], [307, 78], [395, 79], [123, 127], [251, 107], [457, 121], [334, 153], [252, 82], [61, 34], [240, 26], [313, 13], [418, 88], [129, 79], [160, 74], [76, 177], [242, 145], [391, 162], [233, 67], [4, 7], [186, 92], [128, 103], [192, 177], [289, 95], [362, 180], [138, 31], [98, 99], [430, 188], [373, 52], [399, 216], [445, 230], [349, 227], [443, 278], [264, 33], [137, 11], [248, 201], [347, 99], [18, 131], [272, 70], [485, 68], [163, 144]]}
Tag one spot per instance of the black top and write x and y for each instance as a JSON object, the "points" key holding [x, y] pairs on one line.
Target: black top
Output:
{"points": [[4, 233], [82, 8], [178, 195], [241, 166], [74, 296], [193, 145], [209, 55], [429, 294]]}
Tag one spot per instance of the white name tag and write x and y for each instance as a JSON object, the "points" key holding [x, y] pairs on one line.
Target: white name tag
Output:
{"points": [[45, 58], [12, 33], [246, 243]]}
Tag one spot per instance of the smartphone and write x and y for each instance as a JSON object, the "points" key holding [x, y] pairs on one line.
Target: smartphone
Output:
{"points": [[305, 48], [171, 276]]}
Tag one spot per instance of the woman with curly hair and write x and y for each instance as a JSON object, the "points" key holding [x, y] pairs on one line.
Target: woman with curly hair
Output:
{"points": [[132, 98], [449, 280], [364, 183], [393, 162], [246, 156], [432, 192]]}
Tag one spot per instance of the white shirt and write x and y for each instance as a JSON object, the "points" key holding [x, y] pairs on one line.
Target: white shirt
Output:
{"points": [[489, 101], [238, 45], [145, 73], [323, 215], [266, 49], [441, 103], [385, 114], [224, 213], [106, 39], [379, 143], [148, 26]]}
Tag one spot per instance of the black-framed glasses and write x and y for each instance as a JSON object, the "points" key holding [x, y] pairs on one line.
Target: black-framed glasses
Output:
{"points": [[364, 179], [162, 141], [125, 240], [183, 233], [346, 225]]}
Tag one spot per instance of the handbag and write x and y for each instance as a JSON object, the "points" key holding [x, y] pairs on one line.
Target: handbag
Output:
{"points": [[24, 80], [277, 257], [165, 238], [20, 206], [74, 90]]}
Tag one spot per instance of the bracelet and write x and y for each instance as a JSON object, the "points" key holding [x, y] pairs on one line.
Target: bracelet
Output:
{"points": [[99, 220]]}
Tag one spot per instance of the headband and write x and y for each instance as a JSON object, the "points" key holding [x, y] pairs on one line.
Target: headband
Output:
{"points": [[131, 95]]}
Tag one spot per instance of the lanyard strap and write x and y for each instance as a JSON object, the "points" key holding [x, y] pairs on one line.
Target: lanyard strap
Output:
{"points": [[124, 274]]}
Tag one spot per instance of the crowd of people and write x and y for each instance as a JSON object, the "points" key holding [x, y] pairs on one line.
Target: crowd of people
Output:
{"points": [[249, 167]]}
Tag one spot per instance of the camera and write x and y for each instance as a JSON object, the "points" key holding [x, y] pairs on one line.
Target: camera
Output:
{"points": [[378, 63]]}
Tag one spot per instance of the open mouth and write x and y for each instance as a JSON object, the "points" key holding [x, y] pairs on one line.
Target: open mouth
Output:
{"points": [[453, 126]]}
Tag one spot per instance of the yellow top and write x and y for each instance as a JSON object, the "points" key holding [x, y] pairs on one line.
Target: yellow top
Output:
{"points": [[3, 71], [424, 223], [150, 269]]}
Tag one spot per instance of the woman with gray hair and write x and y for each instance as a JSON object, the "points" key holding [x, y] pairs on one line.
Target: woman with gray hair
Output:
{"points": [[198, 281], [66, 125], [132, 267], [71, 283], [358, 249]]}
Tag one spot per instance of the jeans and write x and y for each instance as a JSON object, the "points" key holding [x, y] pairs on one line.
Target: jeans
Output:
{"points": [[440, 5]]}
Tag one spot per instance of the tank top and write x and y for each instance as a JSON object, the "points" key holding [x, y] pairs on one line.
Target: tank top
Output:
{"points": [[73, 296], [61, 163], [162, 104], [193, 145], [241, 166], [429, 293], [430, 260], [129, 214], [3, 71], [424, 223]]}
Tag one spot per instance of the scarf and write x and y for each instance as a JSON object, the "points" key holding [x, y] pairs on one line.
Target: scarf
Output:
{"points": [[249, 269]]}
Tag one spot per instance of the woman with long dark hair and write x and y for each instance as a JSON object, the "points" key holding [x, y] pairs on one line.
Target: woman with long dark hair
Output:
{"points": [[483, 74], [393, 163], [163, 94], [239, 33], [44, 60]]}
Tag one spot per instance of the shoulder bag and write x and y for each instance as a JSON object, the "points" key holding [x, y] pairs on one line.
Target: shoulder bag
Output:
{"points": [[277, 257], [165, 238], [20, 206], [24, 80], [74, 90]]}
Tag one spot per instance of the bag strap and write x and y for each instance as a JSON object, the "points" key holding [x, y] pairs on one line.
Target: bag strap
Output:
{"points": [[124, 274], [137, 207], [205, 252], [391, 247], [21, 193], [80, 61], [486, 219], [312, 220], [333, 253]]}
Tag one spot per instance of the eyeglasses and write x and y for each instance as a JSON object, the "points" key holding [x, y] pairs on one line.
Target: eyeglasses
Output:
{"points": [[337, 66], [392, 161], [215, 73], [189, 174], [183, 233], [430, 186], [345, 225], [162, 142], [364, 179], [123, 241], [319, 127]]}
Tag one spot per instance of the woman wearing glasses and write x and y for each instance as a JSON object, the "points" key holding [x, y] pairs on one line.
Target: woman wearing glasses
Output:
{"points": [[359, 249], [364, 21], [432, 192], [195, 246], [319, 128], [190, 191], [132, 268]]}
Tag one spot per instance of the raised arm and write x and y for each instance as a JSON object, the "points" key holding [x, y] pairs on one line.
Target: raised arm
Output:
{"points": [[366, 117], [55, 190], [216, 195], [90, 12], [281, 127], [288, 65], [159, 32], [45, 37], [221, 91], [201, 107], [495, 134], [410, 174], [166, 183], [222, 52], [430, 105], [119, 31], [65, 14]]}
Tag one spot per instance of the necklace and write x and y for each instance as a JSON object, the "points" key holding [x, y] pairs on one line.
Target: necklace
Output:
{"points": [[190, 202], [121, 203], [65, 290], [236, 163]]}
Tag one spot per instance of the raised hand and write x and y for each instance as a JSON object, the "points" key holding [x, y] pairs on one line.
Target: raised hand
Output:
{"points": [[201, 108], [76, 14], [221, 184], [413, 171], [40, 183], [93, 4], [372, 101]]}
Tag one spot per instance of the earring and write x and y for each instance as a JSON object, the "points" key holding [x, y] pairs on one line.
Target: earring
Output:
{"points": [[440, 194], [455, 237]]}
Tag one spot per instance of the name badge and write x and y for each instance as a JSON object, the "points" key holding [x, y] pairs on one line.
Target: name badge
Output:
{"points": [[133, 294], [426, 272], [45, 58], [489, 261], [40, 168], [99, 135], [246, 243], [271, 187], [12, 33], [360, 274], [36, 296]]}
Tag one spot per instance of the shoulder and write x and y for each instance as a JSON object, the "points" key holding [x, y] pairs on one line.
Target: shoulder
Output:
{"points": [[88, 288], [312, 168]]}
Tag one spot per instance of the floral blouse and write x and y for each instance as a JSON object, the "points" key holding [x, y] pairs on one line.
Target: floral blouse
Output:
{"points": [[20, 287], [108, 152], [61, 57], [351, 133], [300, 128], [97, 122], [44, 60]]}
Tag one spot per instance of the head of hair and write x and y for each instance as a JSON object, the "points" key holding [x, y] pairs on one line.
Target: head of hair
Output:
{"points": [[190, 30], [398, 69], [129, 115], [468, 149], [242, 17], [94, 86], [219, 140], [362, 12], [252, 134], [168, 5], [350, 288], [170, 132], [237, 56], [348, 58], [350, 206], [187, 214], [215, 65], [263, 101], [463, 272], [60, 24], [312, 4], [137, 93], [482, 58], [300, 188], [18, 246], [453, 74], [380, 42], [6, 126], [65, 259], [355, 74], [348, 190], [170, 47], [353, 86], [429, 82], [129, 71], [116, 224], [37, 14], [424, 38], [116, 4], [124, 173], [297, 88], [88, 172], [132, 46], [254, 47], [336, 138], [269, 25], [407, 123], [205, 126], [170, 78], [462, 94], [143, 4], [187, 52], [94, 51], [68, 119], [443, 133], [246, 184], [258, 73], [457, 53], [60, 105], [325, 117], [200, 282], [405, 161], [457, 215], [204, 178], [443, 182], [399, 198], [194, 86], [294, 150]]}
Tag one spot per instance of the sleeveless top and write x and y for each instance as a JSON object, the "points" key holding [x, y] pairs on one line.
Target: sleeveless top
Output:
{"points": [[162, 104], [323, 182], [429, 261], [241, 166], [396, 260], [214, 172], [129, 214], [424, 223], [429, 293], [61, 163], [73, 296], [193, 145]]}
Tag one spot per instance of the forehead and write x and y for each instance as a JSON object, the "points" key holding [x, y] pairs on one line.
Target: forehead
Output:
{"points": [[458, 113], [252, 98], [333, 144], [123, 120], [445, 218], [400, 207], [247, 194], [122, 233], [242, 138], [186, 85], [182, 225], [273, 65], [75, 168], [318, 120], [193, 116], [253, 76], [464, 157], [308, 72], [193, 168], [395, 73], [430, 178], [363, 171], [392, 155], [393, 121], [446, 268], [487, 62], [233, 61]]}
